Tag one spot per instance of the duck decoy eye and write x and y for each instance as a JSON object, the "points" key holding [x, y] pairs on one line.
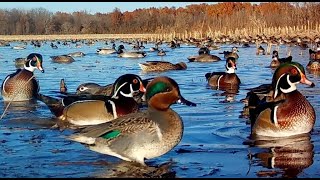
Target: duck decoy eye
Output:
{"points": [[294, 71], [135, 81]]}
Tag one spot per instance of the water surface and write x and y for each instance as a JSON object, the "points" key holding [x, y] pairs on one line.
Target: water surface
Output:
{"points": [[212, 144]]}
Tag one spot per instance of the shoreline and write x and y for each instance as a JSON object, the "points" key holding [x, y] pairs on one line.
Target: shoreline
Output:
{"points": [[74, 37], [302, 32]]}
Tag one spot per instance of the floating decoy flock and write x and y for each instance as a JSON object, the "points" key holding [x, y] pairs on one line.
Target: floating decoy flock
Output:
{"points": [[133, 116]]}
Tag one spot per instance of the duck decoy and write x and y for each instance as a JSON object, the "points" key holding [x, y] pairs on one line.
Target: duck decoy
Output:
{"points": [[20, 62], [141, 135], [161, 52], [96, 89], [107, 50], [233, 53], [74, 110], [204, 56], [156, 48], [227, 79], [287, 112], [53, 46], [276, 61], [19, 47], [22, 85], [313, 65], [131, 54], [260, 50], [63, 86], [62, 59], [314, 62], [152, 66], [76, 54]]}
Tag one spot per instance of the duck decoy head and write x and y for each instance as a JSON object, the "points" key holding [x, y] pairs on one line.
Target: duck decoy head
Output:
{"points": [[88, 88], [204, 50], [231, 65], [235, 49], [128, 85], [163, 91], [287, 75], [34, 61]]}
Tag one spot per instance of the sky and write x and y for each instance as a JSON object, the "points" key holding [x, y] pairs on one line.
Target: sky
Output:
{"points": [[93, 7]]}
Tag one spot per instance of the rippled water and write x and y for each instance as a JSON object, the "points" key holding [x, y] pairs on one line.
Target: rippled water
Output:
{"points": [[212, 144]]}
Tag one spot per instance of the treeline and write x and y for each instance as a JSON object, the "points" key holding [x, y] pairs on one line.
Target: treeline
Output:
{"points": [[226, 16]]}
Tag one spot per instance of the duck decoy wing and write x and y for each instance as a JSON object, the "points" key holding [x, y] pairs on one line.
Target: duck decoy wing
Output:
{"points": [[157, 62], [125, 124], [284, 60], [209, 75], [263, 105]]}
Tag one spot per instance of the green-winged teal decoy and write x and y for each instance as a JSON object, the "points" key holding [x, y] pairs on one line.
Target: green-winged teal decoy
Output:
{"points": [[287, 112], [95, 109], [152, 66], [19, 86], [141, 135], [227, 79]]}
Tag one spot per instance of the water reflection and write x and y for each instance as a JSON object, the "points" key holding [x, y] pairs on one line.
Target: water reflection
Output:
{"points": [[229, 93], [124, 169], [314, 72], [29, 105], [286, 157]]}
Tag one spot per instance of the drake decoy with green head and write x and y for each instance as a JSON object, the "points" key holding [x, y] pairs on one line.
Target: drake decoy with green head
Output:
{"points": [[141, 135], [95, 109], [158, 66], [130, 54], [288, 113], [227, 79], [62, 59], [22, 85], [107, 50]]}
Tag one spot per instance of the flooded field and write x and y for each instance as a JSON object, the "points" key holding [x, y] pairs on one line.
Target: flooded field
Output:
{"points": [[214, 134]]}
